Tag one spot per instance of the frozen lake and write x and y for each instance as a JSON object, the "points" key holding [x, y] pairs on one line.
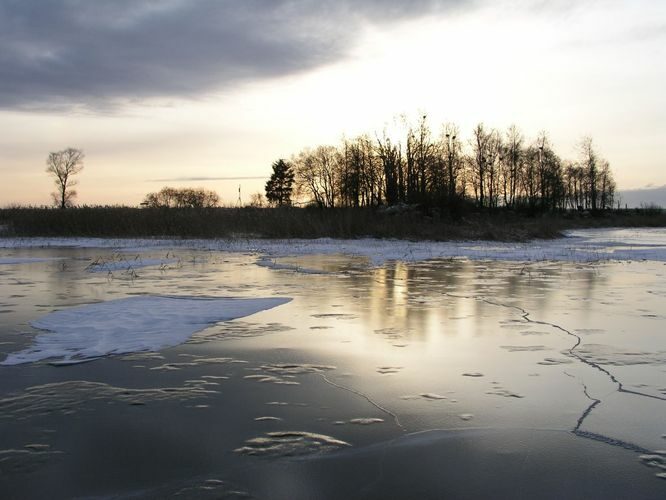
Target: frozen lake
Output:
{"points": [[323, 369]]}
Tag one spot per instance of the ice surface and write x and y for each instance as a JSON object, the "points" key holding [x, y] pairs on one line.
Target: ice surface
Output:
{"points": [[141, 323], [75, 396], [25, 461], [617, 356], [474, 463], [290, 443], [366, 421], [195, 361], [126, 265], [206, 489], [428, 396], [271, 379], [478, 336], [284, 374], [388, 370], [270, 263], [656, 460]]}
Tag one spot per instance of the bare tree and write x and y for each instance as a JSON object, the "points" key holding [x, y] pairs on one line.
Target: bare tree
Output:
{"points": [[452, 151], [420, 159], [511, 165], [485, 151], [390, 156], [606, 186], [352, 172], [257, 200], [63, 165], [372, 173], [327, 162], [589, 162], [317, 173]]}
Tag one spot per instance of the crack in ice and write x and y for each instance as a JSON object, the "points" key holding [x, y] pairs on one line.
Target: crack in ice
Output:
{"points": [[367, 398], [526, 316], [595, 402]]}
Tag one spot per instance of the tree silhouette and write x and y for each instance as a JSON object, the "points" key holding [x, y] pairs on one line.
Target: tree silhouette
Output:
{"points": [[169, 197], [280, 184], [62, 165], [492, 171]]}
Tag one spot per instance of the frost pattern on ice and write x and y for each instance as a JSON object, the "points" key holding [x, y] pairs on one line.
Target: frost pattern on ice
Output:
{"points": [[134, 324]]}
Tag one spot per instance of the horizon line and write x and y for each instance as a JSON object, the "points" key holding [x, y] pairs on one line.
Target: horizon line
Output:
{"points": [[187, 179]]}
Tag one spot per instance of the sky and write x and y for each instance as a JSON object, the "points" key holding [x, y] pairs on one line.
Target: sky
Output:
{"points": [[209, 93]]}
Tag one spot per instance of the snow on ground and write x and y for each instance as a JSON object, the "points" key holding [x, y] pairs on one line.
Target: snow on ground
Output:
{"points": [[580, 246], [141, 323], [24, 260]]}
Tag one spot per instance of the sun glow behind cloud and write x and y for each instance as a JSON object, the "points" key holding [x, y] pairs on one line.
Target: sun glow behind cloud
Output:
{"points": [[583, 72]]}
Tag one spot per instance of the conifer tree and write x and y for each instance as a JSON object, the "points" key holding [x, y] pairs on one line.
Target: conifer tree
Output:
{"points": [[280, 184]]}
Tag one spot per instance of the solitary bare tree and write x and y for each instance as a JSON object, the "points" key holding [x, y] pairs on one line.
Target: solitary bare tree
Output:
{"points": [[63, 165]]}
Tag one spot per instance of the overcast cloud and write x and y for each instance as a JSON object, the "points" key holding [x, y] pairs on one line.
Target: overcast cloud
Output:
{"points": [[62, 53]]}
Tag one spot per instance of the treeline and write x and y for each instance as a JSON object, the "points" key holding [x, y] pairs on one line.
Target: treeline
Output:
{"points": [[492, 169]]}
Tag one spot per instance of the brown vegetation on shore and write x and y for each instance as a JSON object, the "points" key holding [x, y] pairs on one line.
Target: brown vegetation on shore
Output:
{"points": [[397, 222]]}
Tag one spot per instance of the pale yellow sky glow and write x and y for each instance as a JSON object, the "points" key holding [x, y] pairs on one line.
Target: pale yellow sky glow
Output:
{"points": [[595, 69]]}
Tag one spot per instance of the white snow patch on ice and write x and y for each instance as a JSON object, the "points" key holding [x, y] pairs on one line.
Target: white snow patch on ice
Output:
{"points": [[141, 323], [577, 246]]}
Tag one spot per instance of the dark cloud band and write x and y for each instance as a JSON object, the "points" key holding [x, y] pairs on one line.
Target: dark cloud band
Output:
{"points": [[64, 53]]}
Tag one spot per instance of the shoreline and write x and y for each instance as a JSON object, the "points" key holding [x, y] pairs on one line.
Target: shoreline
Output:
{"points": [[408, 223]]}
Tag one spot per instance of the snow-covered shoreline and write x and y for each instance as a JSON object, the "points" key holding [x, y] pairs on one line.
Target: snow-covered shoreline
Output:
{"points": [[8, 261], [577, 246]]}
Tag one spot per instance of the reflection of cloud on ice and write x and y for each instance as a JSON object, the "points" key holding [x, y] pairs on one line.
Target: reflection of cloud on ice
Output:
{"points": [[142, 323]]}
